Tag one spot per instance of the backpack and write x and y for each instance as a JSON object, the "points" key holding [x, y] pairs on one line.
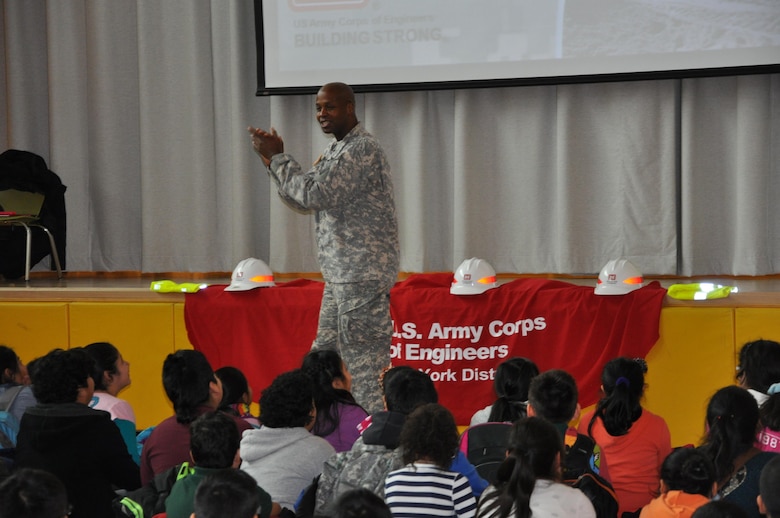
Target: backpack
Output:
{"points": [[149, 500], [600, 494], [9, 425], [579, 472], [485, 447]]}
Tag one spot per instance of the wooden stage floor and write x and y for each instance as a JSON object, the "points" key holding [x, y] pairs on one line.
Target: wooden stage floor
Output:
{"points": [[761, 291]]}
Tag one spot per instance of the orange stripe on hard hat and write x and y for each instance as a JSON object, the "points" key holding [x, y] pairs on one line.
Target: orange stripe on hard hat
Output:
{"points": [[262, 278], [633, 280], [487, 280]]}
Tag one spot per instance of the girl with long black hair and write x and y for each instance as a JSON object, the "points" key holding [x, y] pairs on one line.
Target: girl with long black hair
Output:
{"points": [[338, 414], [633, 440]]}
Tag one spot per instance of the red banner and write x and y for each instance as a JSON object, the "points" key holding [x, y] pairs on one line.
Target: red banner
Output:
{"points": [[458, 339]]}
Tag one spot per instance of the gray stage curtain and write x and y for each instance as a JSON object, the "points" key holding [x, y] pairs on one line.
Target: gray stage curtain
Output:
{"points": [[141, 106]]}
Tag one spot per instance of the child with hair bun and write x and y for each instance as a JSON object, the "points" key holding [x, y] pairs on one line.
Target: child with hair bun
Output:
{"points": [[687, 483]]}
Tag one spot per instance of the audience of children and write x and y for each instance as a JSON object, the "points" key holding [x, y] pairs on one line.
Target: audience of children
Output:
{"points": [[759, 373], [112, 374], [425, 487], [511, 382], [227, 493], [633, 441], [687, 483], [732, 420], [283, 456], [79, 445], [214, 445], [33, 493], [402, 461], [236, 395], [16, 395], [529, 479], [194, 389], [338, 414], [553, 396]]}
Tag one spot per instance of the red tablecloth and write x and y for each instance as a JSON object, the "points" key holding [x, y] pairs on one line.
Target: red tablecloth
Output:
{"points": [[458, 340]]}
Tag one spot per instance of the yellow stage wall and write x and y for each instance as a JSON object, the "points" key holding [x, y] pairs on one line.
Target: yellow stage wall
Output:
{"points": [[695, 355]]}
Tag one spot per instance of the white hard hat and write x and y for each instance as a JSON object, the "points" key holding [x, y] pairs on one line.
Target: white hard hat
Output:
{"points": [[618, 277], [249, 274], [473, 276]]}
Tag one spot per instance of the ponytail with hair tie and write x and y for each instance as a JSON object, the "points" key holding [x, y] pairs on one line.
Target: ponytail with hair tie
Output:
{"points": [[622, 380]]}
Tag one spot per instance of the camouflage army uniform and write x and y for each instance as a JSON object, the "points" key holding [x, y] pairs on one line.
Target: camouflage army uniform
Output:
{"points": [[351, 193]]}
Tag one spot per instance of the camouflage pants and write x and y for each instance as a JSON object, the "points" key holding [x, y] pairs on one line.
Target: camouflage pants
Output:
{"points": [[355, 320]]}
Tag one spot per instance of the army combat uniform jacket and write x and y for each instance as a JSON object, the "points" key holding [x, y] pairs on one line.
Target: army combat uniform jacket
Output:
{"points": [[350, 191]]}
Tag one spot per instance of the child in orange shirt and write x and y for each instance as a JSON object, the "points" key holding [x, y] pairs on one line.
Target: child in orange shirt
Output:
{"points": [[633, 440], [687, 483]]}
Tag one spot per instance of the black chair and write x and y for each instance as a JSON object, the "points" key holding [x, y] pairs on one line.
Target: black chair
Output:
{"points": [[22, 246], [20, 208]]}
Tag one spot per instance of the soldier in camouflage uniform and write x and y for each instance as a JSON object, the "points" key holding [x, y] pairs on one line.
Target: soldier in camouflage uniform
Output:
{"points": [[350, 192]]}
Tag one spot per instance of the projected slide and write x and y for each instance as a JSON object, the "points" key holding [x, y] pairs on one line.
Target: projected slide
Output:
{"points": [[309, 42]]}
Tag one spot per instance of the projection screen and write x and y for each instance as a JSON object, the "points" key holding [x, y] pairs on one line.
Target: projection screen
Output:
{"points": [[424, 44]]}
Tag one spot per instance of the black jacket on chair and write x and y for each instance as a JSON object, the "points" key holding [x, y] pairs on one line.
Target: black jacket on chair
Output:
{"points": [[26, 171]]}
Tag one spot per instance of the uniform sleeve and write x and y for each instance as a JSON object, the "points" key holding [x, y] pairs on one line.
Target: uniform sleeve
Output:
{"points": [[331, 469], [333, 181]]}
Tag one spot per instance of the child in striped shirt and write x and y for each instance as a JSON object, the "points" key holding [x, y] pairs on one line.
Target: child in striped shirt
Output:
{"points": [[424, 487]]}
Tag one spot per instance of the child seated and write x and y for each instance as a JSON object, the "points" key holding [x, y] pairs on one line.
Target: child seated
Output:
{"points": [[513, 377], [687, 483], [553, 396], [214, 448], [236, 395], [424, 486], [529, 481], [112, 375], [633, 440], [338, 414]]}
